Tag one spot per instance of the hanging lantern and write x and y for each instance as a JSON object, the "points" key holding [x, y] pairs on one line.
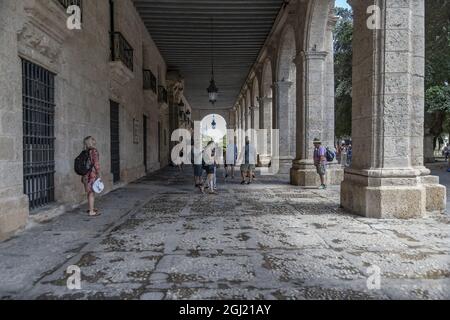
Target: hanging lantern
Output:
{"points": [[213, 91], [214, 123]]}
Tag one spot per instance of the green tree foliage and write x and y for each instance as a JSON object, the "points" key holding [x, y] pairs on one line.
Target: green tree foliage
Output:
{"points": [[437, 67], [343, 37], [437, 79]]}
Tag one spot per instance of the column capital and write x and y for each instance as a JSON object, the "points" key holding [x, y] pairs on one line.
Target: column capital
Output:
{"points": [[318, 55], [310, 55], [265, 99], [332, 21], [271, 50], [282, 84], [258, 69]]}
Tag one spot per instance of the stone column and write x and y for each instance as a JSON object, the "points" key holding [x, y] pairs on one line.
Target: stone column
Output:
{"points": [[387, 178], [245, 127], [283, 119], [13, 203], [315, 103], [266, 124], [248, 118]]}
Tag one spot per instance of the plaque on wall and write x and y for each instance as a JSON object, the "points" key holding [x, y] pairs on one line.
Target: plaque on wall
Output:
{"points": [[135, 131]]}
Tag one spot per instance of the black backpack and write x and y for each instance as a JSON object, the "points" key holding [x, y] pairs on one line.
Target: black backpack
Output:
{"points": [[83, 163]]}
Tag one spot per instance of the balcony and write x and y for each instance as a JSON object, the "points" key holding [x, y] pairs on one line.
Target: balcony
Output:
{"points": [[122, 51], [122, 61], [150, 81], [162, 95]]}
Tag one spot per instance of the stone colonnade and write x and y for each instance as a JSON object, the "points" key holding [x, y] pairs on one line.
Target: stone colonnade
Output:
{"points": [[387, 177]]}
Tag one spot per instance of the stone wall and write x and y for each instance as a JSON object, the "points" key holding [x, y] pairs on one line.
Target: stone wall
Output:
{"points": [[13, 205], [86, 81]]}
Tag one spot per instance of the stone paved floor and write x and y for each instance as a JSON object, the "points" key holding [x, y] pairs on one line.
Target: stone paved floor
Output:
{"points": [[160, 239]]}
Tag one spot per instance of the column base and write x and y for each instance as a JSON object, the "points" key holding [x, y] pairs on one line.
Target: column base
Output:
{"points": [[264, 160], [395, 194], [436, 200], [304, 173], [284, 164], [13, 215]]}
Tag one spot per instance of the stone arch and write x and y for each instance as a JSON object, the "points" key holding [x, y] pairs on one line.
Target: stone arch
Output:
{"points": [[286, 68], [286, 87], [317, 18], [219, 133]]}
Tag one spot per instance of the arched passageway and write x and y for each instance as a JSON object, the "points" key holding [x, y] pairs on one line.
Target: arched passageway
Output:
{"points": [[159, 237], [213, 127]]}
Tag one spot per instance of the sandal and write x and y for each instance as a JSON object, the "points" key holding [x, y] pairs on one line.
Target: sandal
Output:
{"points": [[97, 214]]}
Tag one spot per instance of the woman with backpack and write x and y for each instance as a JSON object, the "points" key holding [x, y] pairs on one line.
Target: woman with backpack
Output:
{"points": [[92, 175]]}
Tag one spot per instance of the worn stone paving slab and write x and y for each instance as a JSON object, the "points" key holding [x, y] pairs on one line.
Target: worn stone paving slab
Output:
{"points": [[159, 238]]}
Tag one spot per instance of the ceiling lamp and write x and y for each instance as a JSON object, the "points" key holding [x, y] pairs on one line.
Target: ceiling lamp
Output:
{"points": [[214, 123], [212, 89]]}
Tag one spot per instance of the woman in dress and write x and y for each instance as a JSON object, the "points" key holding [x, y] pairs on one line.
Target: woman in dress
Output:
{"points": [[89, 179]]}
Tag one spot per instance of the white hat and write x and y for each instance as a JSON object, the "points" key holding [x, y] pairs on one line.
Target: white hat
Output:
{"points": [[98, 186]]}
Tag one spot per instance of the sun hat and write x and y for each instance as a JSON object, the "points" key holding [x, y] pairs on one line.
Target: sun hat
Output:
{"points": [[98, 186], [317, 141]]}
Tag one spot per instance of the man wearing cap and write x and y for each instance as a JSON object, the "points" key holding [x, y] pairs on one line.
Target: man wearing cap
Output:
{"points": [[320, 161]]}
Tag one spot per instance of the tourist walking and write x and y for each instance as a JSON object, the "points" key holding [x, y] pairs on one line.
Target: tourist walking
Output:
{"points": [[210, 158], [344, 155], [320, 161], [349, 155], [93, 175], [249, 162], [231, 156], [181, 154], [197, 161], [446, 151]]}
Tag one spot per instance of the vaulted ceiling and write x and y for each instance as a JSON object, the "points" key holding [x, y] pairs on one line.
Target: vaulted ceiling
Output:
{"points": [[182, 32]]}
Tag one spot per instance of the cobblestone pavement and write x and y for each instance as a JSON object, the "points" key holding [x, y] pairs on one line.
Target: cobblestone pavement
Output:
{"points": [[160, 239]]}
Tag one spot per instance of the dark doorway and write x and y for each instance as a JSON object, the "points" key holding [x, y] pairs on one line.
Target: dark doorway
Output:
{"points": [[159, 142], [38, 91], [145, 124], [115, 141]]}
